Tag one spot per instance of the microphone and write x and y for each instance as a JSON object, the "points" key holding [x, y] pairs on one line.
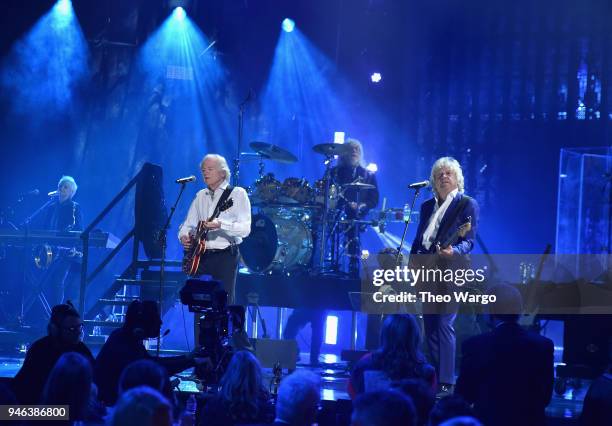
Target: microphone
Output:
{"points": [[53, 193], [166, 332], [419, 185], [186, 179]]}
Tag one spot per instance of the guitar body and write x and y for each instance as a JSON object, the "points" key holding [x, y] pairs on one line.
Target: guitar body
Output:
{"points": [[192, 257]]}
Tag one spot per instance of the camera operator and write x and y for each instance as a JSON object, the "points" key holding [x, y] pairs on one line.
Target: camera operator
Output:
{"points": [[125, 345]]}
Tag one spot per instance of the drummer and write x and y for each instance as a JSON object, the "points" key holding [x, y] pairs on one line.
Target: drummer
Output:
{"points": [[351, 169]]}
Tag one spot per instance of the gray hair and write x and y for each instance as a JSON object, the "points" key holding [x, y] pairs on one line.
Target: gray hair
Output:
{"points": [[451, 163], [222, 165], [357, 143], [70, 180], [298, 397]]}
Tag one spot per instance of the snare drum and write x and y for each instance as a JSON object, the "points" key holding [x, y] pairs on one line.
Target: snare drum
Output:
{"points": [[297, 190], [277, 242]]}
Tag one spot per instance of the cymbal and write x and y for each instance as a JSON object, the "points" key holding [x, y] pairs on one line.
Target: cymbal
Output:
{"points": [[330, 149], [358, 186], [273, 152]]}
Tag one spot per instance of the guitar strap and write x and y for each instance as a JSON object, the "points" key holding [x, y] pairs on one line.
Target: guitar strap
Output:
{"points": [[226, 193], [458, 210]]}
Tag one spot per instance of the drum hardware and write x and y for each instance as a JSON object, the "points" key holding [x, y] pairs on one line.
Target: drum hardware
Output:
{"points": [[331, 149], [273, 152]]}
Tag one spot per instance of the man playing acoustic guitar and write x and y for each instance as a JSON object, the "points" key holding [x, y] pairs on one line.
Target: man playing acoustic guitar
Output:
{"points": [[440, 240], [217, 221]]}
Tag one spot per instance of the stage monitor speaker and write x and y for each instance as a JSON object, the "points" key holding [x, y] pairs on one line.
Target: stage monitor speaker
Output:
{"points": [[150, 209], [271, 351]]}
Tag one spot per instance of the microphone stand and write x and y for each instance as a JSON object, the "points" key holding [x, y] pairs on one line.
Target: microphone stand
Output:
{"points": [[163, 234], [406, 224]]}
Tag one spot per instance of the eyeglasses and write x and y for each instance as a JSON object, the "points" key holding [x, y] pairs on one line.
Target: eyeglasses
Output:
{"points": [[73, 328]]}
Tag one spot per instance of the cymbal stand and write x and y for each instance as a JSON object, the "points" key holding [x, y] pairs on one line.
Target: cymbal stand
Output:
{"points": [[327, 179]]}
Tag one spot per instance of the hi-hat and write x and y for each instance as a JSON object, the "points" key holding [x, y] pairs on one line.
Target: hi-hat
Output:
{"points": [[358, 186], [329, 149], [273, 152]]}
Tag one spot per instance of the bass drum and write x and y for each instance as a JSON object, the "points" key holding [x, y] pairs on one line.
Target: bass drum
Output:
{"points": [[277, 243]]}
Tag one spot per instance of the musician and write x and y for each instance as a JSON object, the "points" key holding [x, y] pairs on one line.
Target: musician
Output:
{"points": [[61, 213], [355, 204], [351, 169], [220, 260], [440, 217]]}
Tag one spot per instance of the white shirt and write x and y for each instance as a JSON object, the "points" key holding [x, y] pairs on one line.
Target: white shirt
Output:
{"points": [[436, 218], [235, 221]]}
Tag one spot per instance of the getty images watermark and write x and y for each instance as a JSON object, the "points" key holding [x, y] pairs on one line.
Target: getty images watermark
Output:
{"points": [[423, 279]]}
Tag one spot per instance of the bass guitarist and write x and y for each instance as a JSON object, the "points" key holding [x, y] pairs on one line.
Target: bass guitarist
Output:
{"points": [[224, 230], [441, 218]]}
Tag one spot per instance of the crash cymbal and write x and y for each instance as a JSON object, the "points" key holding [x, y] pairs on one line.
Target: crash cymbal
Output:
{"points": [[358, 186], [329, 149], [273, 152]]}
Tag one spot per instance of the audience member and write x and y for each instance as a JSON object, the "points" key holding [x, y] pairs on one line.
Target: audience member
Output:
{"points": [[449, 407], [397, 358], [383, 408], [146, 372], [597, 408], [70, 383], [243, 398], [462, 421], [298, 399], [125, 345], [422, 396], [507, 373], [65, 331], [141, 406]]}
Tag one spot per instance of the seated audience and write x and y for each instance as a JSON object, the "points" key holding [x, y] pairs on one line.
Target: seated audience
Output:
{"points": [[125, 345], [65, 331], [383, 408], [71, 383], [422, 396], [597, 408], [397, 358], [507, 373], [146, 372], [243, 398], [298, 399], [449, 407], [462, 421], [141, 406]]}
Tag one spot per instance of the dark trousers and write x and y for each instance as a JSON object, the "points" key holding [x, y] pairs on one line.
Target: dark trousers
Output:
{"points": [[223, 267], [441, 342], [298, 320]]}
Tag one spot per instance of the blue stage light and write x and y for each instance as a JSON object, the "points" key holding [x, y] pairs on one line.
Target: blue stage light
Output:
{"points": [[288, 25], [376, 77], [64, 7], [179, 13], [331, 330]]}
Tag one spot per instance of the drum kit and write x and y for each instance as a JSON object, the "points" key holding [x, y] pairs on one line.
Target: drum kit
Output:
{"points": [[291, 216]]}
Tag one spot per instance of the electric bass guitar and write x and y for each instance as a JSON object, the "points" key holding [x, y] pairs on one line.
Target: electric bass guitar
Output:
{"points": [[193, 255], [459, 233]]}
